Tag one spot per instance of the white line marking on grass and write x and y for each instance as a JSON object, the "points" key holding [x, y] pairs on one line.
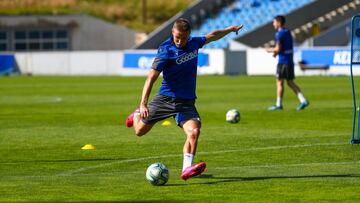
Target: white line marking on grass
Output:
{"points": [[271, 148], [286, 165], [13, 177], [71, 172], [58, 99], [81, 175], [82, 169]]}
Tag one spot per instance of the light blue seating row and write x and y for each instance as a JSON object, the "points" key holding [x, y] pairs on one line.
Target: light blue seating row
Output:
{"points": [[251, 13]]}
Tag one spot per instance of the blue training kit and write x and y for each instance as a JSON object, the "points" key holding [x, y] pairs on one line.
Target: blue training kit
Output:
{"points": [[179, 68], [284, 38]]}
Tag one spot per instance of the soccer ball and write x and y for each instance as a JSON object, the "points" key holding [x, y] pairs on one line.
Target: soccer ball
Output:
{"points": [[233, 116], [157, 174]]}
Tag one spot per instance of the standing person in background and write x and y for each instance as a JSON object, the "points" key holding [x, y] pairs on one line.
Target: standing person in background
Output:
{"points": [[285, 68]]}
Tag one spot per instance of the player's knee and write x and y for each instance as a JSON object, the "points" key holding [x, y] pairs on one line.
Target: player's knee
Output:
{"points": [[193, 134]]}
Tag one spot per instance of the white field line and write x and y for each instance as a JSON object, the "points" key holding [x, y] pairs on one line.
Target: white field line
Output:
{"points": [[82, 169], [287, 165], [211, 169], [57, 99]]}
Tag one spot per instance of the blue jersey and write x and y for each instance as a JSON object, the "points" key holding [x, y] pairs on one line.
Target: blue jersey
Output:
{"points": [[284, 38], [179, 68]]}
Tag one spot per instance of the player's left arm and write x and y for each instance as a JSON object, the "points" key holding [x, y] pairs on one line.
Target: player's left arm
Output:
{"points": [[218, 34]]}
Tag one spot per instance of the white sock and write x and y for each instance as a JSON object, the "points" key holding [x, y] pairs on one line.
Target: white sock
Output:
{"points": [[279, 101], [301, 97], [188, 159]]}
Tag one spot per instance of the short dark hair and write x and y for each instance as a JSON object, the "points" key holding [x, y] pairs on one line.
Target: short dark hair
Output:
{"points": [[280, 19], [182, 24]]}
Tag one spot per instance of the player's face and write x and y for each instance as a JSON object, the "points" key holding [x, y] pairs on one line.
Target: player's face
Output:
{"points": [[276, 24], [180, 38]]}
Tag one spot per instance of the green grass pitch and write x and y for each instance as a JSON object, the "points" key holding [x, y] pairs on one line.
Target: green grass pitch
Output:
{"points": [[285, 156]]}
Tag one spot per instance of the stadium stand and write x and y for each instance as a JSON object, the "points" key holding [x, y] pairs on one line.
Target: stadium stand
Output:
{"points": [[215, 14], [338, 35], [306, 19], [252, 14], [322, 14], [197, 12]]}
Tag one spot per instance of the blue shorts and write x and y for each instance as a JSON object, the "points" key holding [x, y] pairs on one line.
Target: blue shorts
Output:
{"points": [[162, 107]]}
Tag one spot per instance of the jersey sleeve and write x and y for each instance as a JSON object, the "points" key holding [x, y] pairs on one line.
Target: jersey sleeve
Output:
{"points": [[199, 41], [159, 64], [160, 59]]}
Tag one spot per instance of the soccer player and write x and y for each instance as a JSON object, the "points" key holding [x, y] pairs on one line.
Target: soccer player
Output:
{"points": [[285, 68], [177, 60]]}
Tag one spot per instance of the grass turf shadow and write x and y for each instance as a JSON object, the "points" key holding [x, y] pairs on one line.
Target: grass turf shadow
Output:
{"points": [[215, 180]]}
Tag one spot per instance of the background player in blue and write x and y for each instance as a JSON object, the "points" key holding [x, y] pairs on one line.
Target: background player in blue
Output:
{"points": [[285, 68], [177, 60]]}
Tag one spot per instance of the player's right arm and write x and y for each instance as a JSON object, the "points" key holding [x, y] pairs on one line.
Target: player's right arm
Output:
{"points": [[275, 50], [151, 78]]}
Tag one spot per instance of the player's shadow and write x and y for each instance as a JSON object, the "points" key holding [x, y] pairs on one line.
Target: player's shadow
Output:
{"points": [[214, 180], [110, 201]]}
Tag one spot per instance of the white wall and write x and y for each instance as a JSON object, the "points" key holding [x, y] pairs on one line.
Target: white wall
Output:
{"points": [[101, 63], [259, 62], [216, 62], [70, 63]]}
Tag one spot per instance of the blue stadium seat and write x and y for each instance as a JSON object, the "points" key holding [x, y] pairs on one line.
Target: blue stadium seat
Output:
{"points": [[251, 13]]}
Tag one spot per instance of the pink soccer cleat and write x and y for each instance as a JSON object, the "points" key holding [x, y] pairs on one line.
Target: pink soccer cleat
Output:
{"points": [[130, 119], [192, 171]]}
